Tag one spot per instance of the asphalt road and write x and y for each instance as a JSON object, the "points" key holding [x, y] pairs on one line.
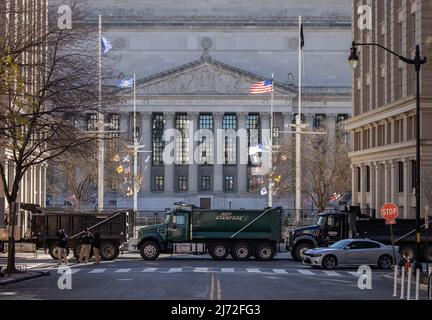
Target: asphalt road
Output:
{"points": [[190, 278]]}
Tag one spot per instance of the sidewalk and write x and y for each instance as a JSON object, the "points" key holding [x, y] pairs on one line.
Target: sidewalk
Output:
{"points": [[18, 277]]}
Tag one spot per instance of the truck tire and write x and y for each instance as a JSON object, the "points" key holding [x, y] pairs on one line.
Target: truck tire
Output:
{"points": [[149, 250], [299, 250], [53, 252], [265, 251], [329, 262], [408, 249], [218, 251], [385, 262], [77, 250], [241, 251], [109, 251]]}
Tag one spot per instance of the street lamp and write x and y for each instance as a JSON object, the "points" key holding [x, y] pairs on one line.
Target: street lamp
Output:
{"points": [[417, 62]]}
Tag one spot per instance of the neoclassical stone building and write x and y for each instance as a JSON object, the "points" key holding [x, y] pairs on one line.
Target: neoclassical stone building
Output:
{"points": [[195, 61]]}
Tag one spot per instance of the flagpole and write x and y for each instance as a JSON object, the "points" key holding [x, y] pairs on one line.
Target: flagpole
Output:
{"points": [[135, 156], [100, 124], [270, 195], [298, 134]]}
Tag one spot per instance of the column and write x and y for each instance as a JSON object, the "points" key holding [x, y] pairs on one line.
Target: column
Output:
{"points": [[378, 188], [406, 195], [362, 186], [170, 168], [145, 157], [193, 166], [287, 138], [242, 176], [354, 184], [373, 197], [386, 182], [392, 181], [218, 165]]}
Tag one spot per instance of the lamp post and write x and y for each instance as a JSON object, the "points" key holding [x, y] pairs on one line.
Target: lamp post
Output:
{"points": [[417, 62]]}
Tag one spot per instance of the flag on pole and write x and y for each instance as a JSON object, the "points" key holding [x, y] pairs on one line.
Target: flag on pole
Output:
{"points": [[262, 87], [302, 41], [106, 45], [125, 83]]}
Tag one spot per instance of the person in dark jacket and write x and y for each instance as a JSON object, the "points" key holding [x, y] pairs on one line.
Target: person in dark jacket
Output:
{"points": [[96, 246], [85, 247], [62, 243]]}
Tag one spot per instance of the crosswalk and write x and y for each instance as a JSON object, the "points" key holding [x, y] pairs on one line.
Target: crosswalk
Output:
{"points": [[252, 271]]}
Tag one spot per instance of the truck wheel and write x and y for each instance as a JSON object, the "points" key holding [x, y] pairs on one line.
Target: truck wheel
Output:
{"points": [[385, 262], [265, 252], [218, 251], [241, 251], [53, 252], [109, 251], [329, 262], [300, 249], [150, 250], [77, 250], [407, 250]]}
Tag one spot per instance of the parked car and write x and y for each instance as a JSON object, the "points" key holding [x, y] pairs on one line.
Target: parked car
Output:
{"points": [[352, 252]]}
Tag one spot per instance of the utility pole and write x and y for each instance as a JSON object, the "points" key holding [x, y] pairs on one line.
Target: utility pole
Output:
{"points": [[101, 151]]}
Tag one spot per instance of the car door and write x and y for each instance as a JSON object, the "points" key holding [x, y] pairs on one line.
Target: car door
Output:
{"points": [[332, 229], [353, 253], [371, 253], [178, 230]]}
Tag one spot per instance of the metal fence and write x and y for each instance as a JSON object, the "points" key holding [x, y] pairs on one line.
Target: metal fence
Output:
{"points": [[145, 218]]}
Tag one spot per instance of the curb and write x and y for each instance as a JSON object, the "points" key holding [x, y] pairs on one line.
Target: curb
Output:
{"points": [[37, 274]]}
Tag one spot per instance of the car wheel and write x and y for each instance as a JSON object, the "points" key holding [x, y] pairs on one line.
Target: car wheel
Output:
{"points": [[219, 251], [265, 252], [329, 262], [150, 250], [241, 251], [385, 262], [109, 251]]}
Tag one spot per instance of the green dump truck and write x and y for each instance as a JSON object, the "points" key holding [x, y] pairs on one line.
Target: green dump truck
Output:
{"points": [[241, 233]]}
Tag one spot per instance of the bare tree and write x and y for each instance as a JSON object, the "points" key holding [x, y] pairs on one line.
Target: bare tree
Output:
{"points": [[47, 77], [325, 165]]}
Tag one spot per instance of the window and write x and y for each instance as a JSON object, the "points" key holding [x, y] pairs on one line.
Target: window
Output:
{"points": [[229, 122], [229, 183], [389, 133], [179, 219], [92, 122], [341, 117], [381, 129], [319, 121], [358, 179], [114, 120], [182, 142], [294, 117], [158, 124], [205, 183], [182, 183], [400, 177], [253, 126], [368, 180], [159, 183], [206, 144]]}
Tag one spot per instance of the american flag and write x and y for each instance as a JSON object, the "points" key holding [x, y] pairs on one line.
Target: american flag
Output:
{"points": [[262, 87]]}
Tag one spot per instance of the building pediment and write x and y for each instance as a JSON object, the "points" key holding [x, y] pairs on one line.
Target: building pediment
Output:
{"points": [[203, 77]]}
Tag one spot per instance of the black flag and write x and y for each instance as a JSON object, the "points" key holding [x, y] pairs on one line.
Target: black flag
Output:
{"points": [[302, 36]]}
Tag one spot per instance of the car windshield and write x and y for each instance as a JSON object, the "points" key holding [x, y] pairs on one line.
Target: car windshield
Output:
{"points": [[340, 244], [168, 219]]}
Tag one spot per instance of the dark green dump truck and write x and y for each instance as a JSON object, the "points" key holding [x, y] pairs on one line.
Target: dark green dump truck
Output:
{"points": [[241, 233]]}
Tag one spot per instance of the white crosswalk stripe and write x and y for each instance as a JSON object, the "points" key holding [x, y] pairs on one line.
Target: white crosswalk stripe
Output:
{"points": [[174, 270], [306, 272], [280, 271], [332, 273], [201, 269], [253, 270], [75, 270], [122, 270], [97, 271], [227, 270], [355, 274], [149, 270]]}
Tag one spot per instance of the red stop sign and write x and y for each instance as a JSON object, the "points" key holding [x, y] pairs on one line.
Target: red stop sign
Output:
{"points": [[389, 211]]}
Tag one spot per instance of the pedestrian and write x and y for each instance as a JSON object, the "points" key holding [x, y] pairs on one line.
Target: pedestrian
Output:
{"points": [[62, 244], [85, 246], [96, 246]]}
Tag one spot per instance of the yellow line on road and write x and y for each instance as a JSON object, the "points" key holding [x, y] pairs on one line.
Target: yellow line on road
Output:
{"points": [[212, 287], [219, 290]]}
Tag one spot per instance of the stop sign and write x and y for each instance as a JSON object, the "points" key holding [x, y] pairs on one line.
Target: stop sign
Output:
{"points": [[389, 211]]}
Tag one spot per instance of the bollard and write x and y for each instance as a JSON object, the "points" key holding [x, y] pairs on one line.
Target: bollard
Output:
{"points": [[417, 283], [395, 281], [409, 283], [402, 283]]}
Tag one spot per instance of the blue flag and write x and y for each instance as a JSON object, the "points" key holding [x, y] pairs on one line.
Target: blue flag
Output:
{"points": [[106, 45], [125, 83]]}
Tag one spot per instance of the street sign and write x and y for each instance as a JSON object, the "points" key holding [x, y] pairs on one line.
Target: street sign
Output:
{"points": [[390, 221], [389, 211]]}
